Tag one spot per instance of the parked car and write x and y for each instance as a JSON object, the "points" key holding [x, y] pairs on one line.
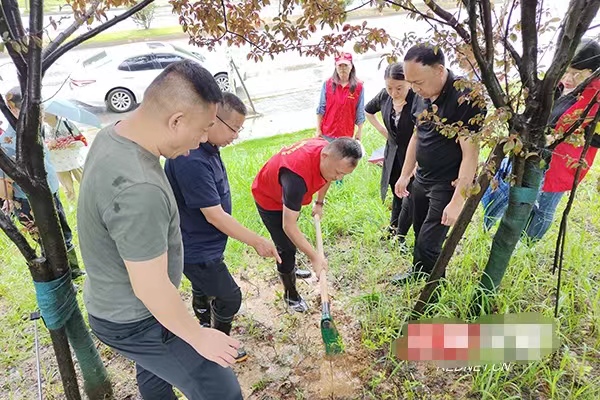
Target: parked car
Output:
{"points": [[118, 76]]}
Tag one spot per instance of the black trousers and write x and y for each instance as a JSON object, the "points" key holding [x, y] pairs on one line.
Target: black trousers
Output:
{"points": [[213, 279], [273, 220], [402, 210], [429, 202]]}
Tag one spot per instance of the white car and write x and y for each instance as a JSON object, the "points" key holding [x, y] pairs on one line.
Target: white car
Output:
{"points": [[118, 76]]}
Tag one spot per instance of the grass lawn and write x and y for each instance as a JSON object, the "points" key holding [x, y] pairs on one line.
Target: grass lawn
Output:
{"points": [[286, 351], [136, 35]]}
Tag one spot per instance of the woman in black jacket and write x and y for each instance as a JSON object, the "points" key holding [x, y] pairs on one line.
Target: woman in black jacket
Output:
{"points": [[395, 103]]}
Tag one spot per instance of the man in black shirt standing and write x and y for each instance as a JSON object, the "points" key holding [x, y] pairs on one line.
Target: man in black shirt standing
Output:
{"points": [[446, 165]]}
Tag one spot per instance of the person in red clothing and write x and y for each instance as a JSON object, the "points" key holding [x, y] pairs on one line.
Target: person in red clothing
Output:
{"points": [[561, 173], [341, 105], [289, 181]]}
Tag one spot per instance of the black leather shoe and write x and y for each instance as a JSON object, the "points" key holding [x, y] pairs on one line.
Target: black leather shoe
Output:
{"points": [[303, 273], [408, 277]]}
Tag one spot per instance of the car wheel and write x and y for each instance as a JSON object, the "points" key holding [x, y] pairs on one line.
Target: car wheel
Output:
{"points": [[223, 82], [120, 100]]}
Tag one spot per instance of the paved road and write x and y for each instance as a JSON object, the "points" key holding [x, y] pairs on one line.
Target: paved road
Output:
{"points": [[284, 90]]}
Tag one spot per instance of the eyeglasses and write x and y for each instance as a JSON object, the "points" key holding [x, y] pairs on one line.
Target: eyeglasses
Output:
{"points": [[229, 126]]}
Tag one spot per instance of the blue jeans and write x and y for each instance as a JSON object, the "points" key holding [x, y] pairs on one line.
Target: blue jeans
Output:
{"points": [[163, 360], [495, 204], [542, 214]]}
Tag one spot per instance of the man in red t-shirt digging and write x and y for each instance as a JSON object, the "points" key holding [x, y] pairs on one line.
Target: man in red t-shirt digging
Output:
{"points": [[287, 182]]}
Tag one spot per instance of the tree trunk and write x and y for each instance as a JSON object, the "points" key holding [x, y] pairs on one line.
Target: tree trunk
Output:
{"points": [[96, 382], [521, 200]]}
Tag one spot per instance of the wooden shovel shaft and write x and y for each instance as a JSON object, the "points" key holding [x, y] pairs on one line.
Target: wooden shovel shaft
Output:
{"points": [[323, 275]]}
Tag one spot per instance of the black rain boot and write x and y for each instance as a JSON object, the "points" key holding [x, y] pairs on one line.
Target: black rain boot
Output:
{"points": [[291, 296], [225, 327], [76, 272], [201, 307]]}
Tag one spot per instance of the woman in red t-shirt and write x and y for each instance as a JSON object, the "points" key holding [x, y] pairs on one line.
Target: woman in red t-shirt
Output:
{"points": [[341, 105]]}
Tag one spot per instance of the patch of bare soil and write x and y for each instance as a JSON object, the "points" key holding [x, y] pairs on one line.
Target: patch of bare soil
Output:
{"points": [[287, 355]]}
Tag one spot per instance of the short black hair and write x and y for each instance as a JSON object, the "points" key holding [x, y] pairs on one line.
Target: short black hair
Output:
{"points": [[232, 102], [346, 148], [15, 97], [200, 80], [587, 55], [394, 71], [425, 54]]}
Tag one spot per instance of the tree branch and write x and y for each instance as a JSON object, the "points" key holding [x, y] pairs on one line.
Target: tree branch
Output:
{"points": [[580, 15], [11, 23], [56, 54], [29, 147], [10, 117], [357, 7], [487, 69], [508, 46], [64, 35], [579, 88], [449, 18], [10, 168], [530, 43], [575, 124], [16, 237], [13, 17], [416, 11], [486, 20]]}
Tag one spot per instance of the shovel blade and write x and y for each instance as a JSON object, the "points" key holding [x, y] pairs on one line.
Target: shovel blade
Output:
{"points": [[331, 337]]}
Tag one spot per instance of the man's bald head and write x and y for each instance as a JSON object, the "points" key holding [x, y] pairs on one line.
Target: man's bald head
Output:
{"points": [[180, 86]]}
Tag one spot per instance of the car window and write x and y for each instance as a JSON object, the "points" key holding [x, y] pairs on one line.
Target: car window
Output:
{"points": [[189, 53], [165, 59], [139, 63], [96, 60]]}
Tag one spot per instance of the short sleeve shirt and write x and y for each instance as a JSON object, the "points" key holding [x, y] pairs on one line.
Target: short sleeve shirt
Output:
{"points": [[438, 156], [200, 181], [126, 211]]}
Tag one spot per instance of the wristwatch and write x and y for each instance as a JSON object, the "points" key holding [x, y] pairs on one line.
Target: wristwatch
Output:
{"points": [[320, 203]]}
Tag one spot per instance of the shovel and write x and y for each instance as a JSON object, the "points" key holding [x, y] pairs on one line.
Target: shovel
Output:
{"points": [[331, 337]]}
